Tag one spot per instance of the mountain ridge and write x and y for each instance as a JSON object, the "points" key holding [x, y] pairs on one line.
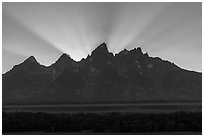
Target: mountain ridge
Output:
{"points": [[102, 76], [120, 52]]}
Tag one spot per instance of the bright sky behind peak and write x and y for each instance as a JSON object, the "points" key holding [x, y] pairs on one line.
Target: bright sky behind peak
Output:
{"points": [[172, 31]]}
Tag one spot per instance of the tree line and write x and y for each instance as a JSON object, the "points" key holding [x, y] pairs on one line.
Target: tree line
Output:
{"points": [[13, 122]]}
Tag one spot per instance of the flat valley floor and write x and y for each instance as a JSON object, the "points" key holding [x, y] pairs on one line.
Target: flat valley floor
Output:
{"points": [[138, 118]]}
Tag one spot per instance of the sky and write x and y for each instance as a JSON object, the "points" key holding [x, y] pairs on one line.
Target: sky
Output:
{"points": [[171, 31]]}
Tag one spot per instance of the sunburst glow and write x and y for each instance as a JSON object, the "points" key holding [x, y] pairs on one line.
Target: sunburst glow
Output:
{"points": [[171, 31]]}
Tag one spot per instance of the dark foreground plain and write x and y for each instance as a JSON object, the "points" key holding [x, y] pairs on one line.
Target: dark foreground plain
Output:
{"points": [[113, 107], [180, 122]]}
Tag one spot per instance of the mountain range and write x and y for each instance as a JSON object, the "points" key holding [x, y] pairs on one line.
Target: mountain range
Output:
{"points": [[128, 76]]}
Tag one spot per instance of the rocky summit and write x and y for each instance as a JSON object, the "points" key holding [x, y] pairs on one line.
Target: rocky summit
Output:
{"points": [[129, 76]]}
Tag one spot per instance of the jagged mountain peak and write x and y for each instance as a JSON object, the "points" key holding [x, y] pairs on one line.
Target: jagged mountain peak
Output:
{"points": [[102, 48], [64, 58], [29, 65], [64, 61], [65, 55], [133, 52], [137, 50], [103, 45], [31, 59]]}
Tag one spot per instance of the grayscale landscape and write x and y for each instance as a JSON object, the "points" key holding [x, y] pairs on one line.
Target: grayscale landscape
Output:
{"points": [[102, 68]]}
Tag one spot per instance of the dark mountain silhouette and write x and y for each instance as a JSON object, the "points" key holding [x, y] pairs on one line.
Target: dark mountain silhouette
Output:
{"points": [[102, 77]]}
